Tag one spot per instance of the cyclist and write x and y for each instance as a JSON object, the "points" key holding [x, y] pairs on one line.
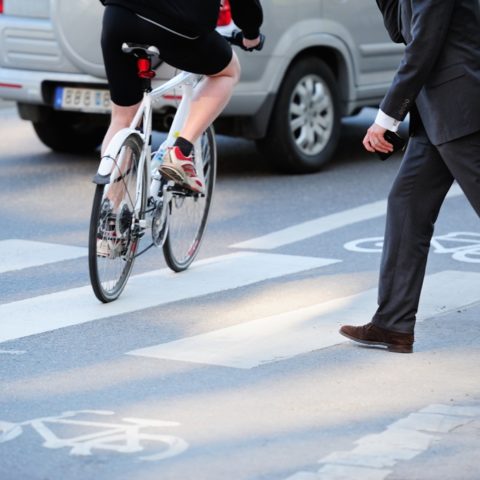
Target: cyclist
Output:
{"points": [[184, 31]]}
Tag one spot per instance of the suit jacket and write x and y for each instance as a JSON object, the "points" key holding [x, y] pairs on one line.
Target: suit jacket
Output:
{"points": [[439, 75]]}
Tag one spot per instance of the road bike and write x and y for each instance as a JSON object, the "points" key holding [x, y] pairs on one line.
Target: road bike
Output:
{"points": [[132, 197]]}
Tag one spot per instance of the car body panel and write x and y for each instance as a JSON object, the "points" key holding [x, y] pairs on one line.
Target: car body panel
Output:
{"points": [[60, 39]]}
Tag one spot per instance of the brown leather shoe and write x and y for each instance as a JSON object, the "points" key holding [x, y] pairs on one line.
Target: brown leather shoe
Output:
{"points": [[370, 334]]}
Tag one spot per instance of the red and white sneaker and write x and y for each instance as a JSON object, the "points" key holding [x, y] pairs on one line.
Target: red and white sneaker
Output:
{"points": [[181, 169]]}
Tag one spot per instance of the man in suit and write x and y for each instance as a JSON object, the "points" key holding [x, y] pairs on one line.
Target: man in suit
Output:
{"points": [[438, 83]]}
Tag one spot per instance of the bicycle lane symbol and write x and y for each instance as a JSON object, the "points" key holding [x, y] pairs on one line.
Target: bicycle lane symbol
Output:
{"points": [[463, 246], [128, 437]]}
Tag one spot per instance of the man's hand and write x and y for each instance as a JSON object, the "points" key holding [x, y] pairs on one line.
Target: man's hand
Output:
{"points": [[374, 141], [251, 43]]}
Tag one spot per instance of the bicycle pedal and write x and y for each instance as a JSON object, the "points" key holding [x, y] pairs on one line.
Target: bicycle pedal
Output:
{"points": [[184, 191]]}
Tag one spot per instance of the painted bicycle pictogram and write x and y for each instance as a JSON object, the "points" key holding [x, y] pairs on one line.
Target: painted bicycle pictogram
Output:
{"points": [[463, 246], [131, 436]]}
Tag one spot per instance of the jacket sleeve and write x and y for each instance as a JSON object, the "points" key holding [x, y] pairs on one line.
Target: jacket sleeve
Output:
{"points": [[429, 28], [391, 18], [248, 16]]}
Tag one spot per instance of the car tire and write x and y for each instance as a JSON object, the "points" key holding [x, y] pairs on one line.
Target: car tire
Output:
{"points": [[69, 133], [304, 128]]}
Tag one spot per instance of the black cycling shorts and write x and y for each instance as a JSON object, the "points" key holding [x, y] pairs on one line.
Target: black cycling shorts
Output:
{"points": [[208, 54]]}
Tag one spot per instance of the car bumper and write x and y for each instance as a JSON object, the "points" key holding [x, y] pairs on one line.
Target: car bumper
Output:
{"points": [[27, 86]]}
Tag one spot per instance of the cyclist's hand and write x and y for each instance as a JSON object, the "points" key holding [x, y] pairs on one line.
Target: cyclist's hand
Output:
{"points": [[251, 44]]}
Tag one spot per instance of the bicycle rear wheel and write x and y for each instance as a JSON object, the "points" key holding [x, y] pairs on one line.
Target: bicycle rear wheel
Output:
{"points": [[189, 212], [114, 231]]}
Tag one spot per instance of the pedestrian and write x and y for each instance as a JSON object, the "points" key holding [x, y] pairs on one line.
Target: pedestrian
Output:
{"points": [[184, 32], [438, 83]]}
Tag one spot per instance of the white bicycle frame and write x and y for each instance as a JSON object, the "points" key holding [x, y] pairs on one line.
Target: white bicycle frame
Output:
{"points": [[108, 170]]}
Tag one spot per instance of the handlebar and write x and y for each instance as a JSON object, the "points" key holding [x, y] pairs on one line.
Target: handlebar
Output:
{"points": [[237, 39]]}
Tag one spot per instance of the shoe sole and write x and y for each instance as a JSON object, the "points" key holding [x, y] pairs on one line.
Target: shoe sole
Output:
{"points": [[171, 173], [390, 347]]}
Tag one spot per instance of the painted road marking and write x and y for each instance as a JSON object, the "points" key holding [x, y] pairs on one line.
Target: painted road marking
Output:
{"points": [[152, 289], [283, 336], [100, 436], [375, 455], [312, 228], [464, 246], [19, 254], [12, 352]]}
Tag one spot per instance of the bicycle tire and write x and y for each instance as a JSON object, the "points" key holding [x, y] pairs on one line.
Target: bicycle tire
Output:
{"points": [[189, 213], [109, 274]]}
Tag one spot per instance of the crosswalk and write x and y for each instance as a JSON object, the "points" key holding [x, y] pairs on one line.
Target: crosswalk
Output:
{"points": [[48, 312], [279, 337], [241, 348], [19, 254], [246, 345]]}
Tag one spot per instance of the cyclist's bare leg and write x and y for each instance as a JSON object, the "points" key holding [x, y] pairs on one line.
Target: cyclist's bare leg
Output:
{"points": [[121, 118], [210, 98]]}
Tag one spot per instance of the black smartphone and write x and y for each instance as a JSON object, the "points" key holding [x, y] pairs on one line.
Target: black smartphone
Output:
{"points": [[396, 140]]}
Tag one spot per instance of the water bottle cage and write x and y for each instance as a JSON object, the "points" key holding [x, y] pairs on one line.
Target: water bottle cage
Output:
{"points": [[144, 66]]}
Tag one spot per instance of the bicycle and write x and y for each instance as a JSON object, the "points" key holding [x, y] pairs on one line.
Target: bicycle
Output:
{"points": [[130, 198]]}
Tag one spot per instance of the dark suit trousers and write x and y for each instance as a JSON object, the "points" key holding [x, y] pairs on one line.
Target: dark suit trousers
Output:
{"points": [[425, 176]]}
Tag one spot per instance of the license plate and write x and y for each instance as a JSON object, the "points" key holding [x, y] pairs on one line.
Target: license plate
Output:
{"points": [[82, 99]]}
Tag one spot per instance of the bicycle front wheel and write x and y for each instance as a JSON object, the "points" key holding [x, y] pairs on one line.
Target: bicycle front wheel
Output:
{"points": [[114, 230], [189, 212]]}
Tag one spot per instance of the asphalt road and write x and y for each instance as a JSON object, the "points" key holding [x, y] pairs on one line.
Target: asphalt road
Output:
{"points": [[234, 369]]}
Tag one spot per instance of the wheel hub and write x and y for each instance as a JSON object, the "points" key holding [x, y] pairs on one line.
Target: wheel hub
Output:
{"points": [[311, 115]]}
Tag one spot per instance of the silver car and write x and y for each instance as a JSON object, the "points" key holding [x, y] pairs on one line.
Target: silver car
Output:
{"points": [[323, 59]]}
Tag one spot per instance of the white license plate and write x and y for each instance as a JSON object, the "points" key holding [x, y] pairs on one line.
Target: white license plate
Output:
{"points": [[82, 99]]}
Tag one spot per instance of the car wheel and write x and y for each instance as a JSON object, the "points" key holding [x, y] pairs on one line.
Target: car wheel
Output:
{"points": [[304, 129], [69, 133]]}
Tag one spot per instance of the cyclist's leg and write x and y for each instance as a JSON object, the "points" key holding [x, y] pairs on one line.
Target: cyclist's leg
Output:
{"points": [[121, 118], [210, 98], [210, 55], [125, 86]]}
